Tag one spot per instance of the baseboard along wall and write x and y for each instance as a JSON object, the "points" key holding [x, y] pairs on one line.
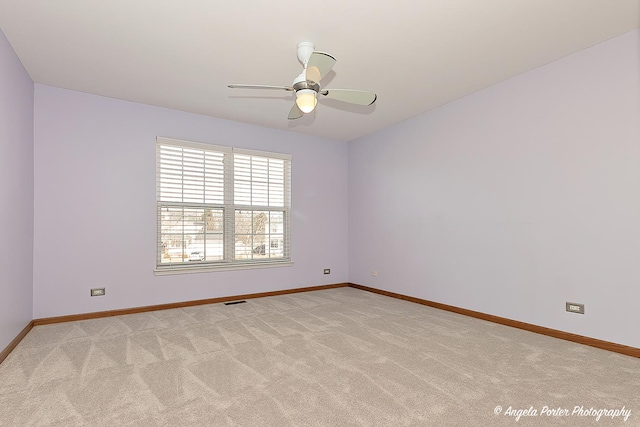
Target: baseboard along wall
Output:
{"points": [[555, 333], [98, 314], [592, 342], [13, 344]]}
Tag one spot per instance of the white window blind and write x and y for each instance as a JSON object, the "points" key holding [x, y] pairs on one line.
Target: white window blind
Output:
{"points": [[258, 181], [220, 207], [190, 175]]}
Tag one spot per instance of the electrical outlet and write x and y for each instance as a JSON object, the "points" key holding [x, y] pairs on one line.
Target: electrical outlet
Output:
{"points": [[573, 307], [374, 273], [97, 292], [327, 271]]}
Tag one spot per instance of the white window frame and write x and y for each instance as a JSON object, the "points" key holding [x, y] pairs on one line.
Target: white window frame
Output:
{"points": [[229, 208]]}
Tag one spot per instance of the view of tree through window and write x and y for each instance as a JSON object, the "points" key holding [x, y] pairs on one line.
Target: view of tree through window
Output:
{"points": [[220, 206], [259, 234]]}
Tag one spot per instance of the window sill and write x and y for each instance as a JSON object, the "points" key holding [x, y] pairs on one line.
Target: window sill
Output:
{"points": [[207, 268]]}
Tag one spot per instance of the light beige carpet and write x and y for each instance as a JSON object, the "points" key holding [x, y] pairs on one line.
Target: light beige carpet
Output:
{"points": [[340, 357]]}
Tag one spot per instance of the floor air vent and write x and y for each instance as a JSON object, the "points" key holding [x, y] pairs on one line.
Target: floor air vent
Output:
{"points": [[234, 302]]}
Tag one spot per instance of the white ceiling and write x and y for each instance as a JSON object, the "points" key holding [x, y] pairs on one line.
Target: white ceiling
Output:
{"points": [[416, 55]]}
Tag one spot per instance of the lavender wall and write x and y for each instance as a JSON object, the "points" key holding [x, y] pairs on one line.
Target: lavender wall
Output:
{"points": [[95, 216], [16, 195], [515, 199]]}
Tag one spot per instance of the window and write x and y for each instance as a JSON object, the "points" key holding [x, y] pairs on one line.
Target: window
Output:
{"points": [[221, 207]]}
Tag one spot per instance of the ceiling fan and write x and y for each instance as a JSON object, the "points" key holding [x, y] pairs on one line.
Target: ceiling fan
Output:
{"points": [[307, 84]]}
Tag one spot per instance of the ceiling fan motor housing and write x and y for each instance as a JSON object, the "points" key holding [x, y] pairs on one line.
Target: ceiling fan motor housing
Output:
{"points": [[301, 83]]}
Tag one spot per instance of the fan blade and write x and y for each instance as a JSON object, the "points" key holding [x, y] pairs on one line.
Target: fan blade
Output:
{"points": [[295, 112], [360, 97], [239, 86], [319, 64]]}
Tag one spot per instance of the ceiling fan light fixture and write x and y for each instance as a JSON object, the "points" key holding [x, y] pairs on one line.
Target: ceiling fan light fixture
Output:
{"points": [[306, 100]]}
